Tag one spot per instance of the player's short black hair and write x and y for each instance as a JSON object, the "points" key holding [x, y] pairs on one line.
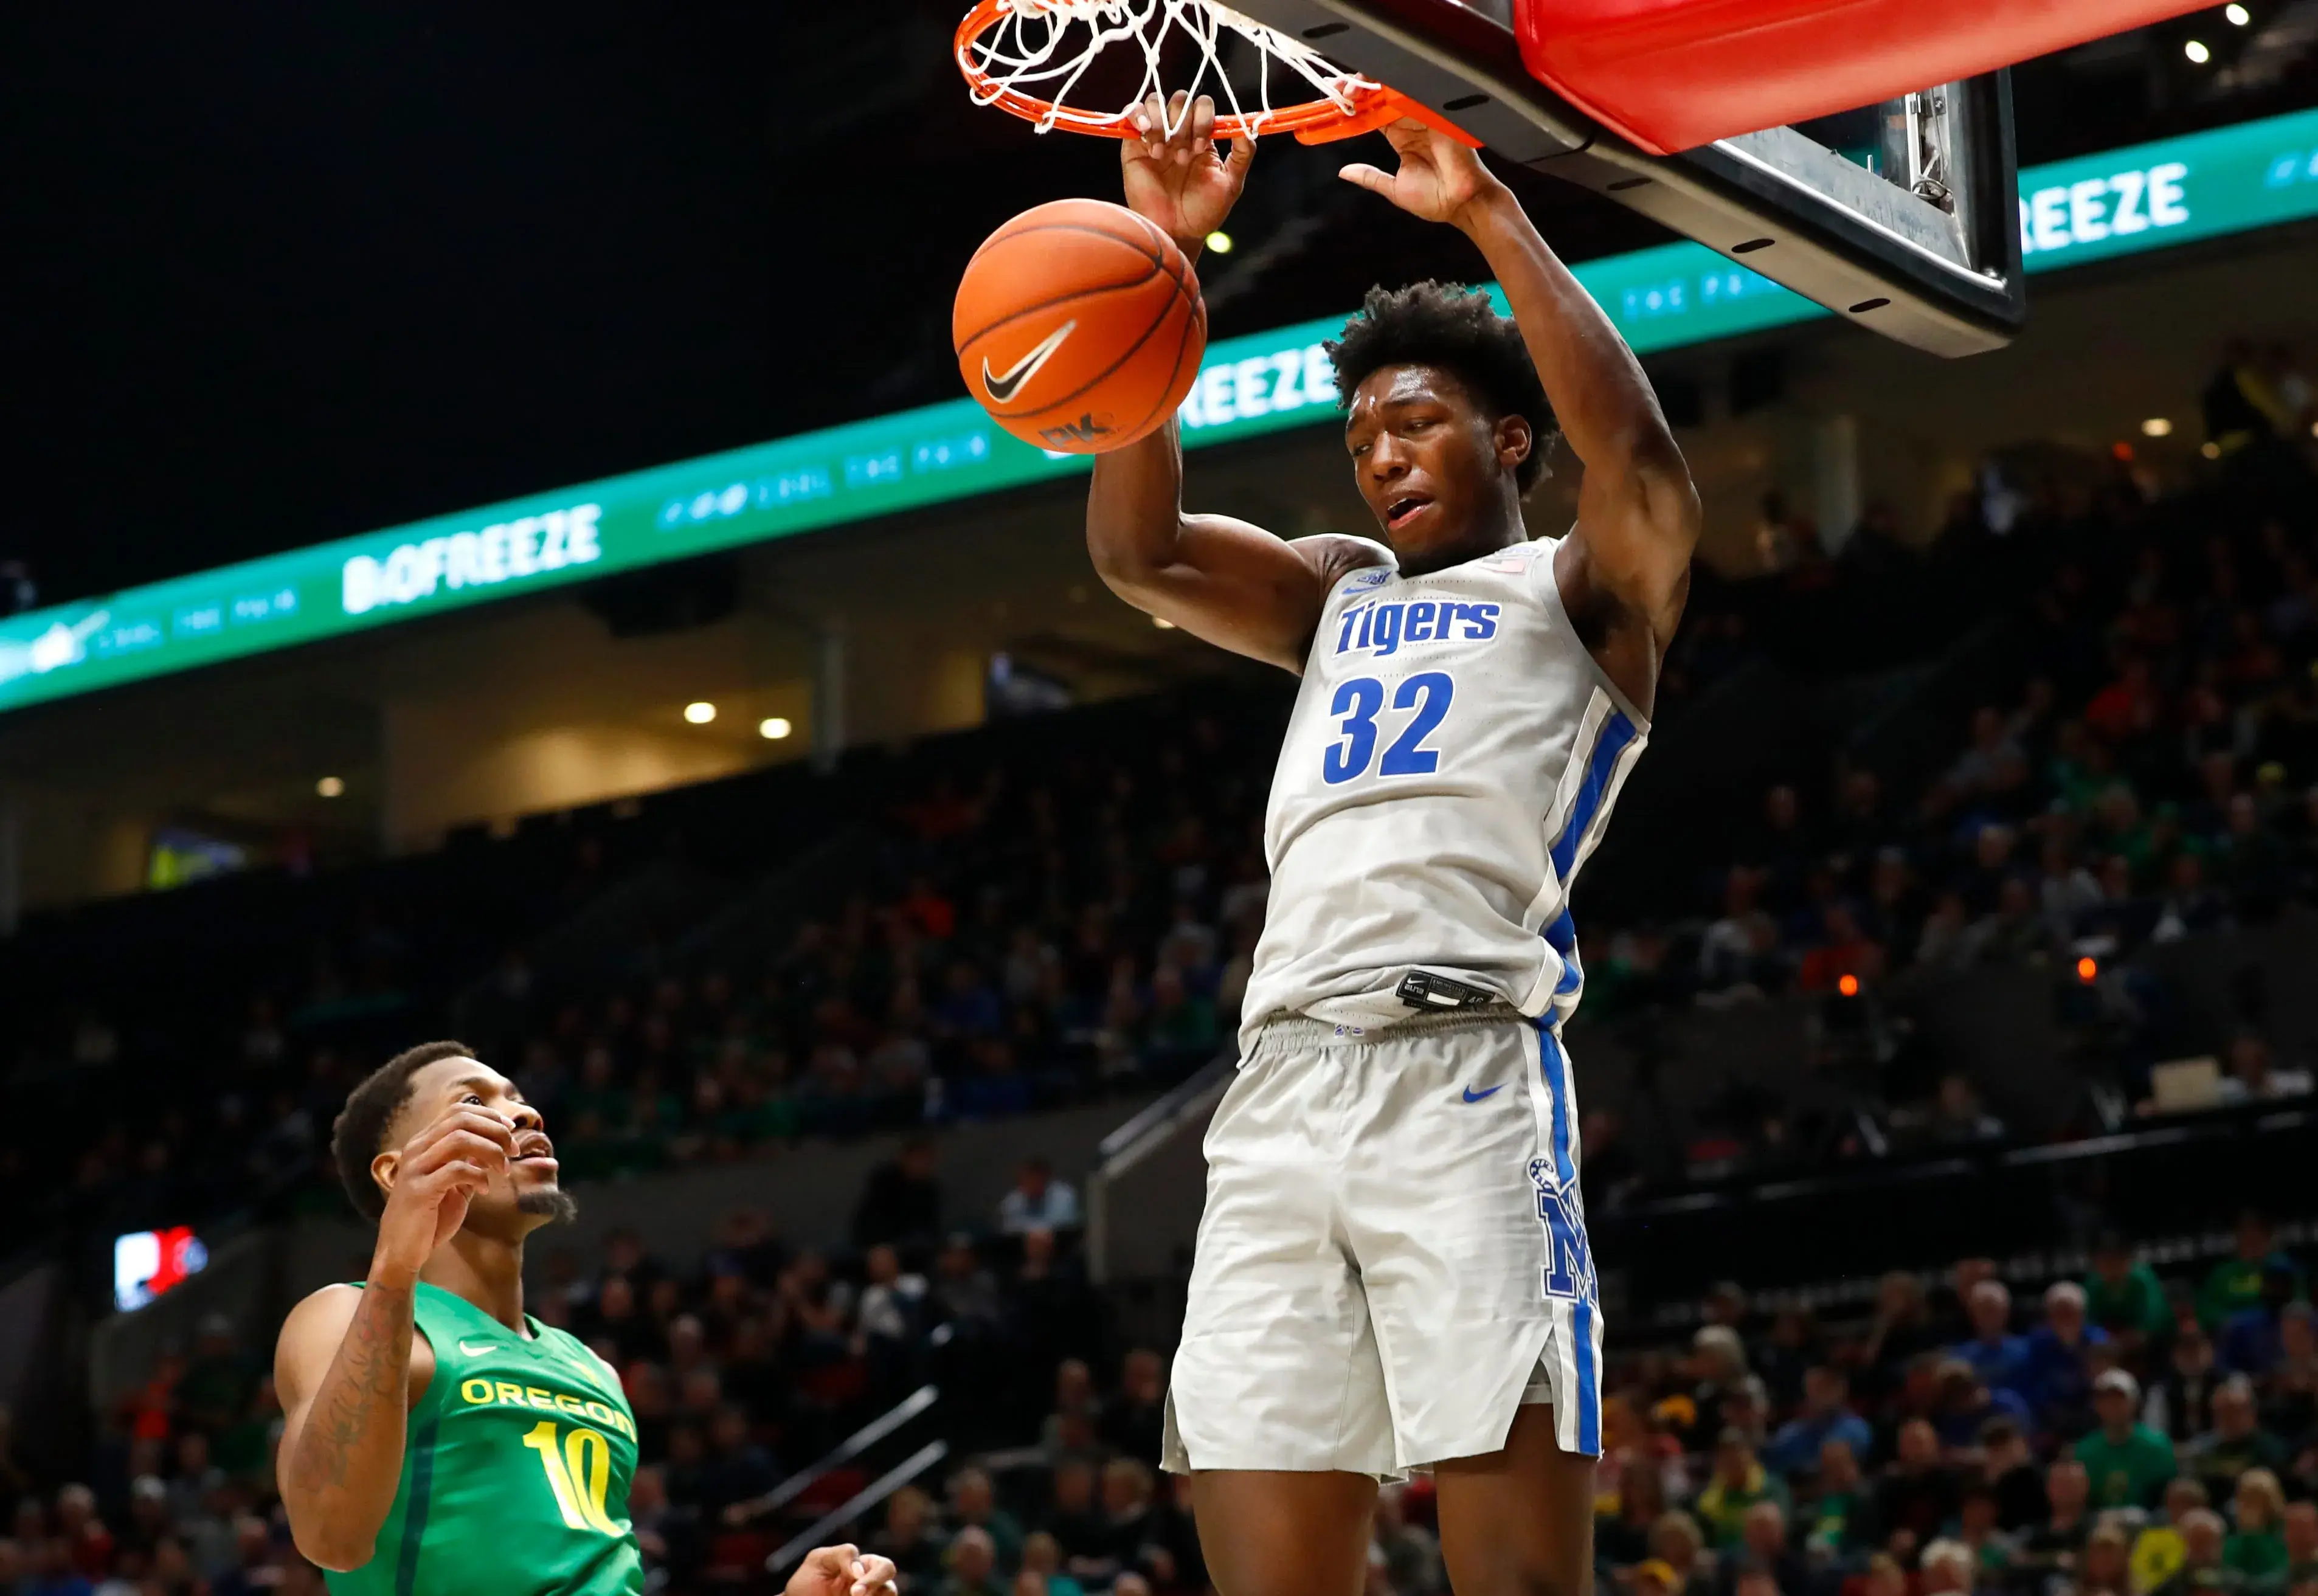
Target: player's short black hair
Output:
{"points": [[1458, 330], [359, 1132]]}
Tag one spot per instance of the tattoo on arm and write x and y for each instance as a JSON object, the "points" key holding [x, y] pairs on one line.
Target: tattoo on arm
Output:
{"points": [[354, 1427]]}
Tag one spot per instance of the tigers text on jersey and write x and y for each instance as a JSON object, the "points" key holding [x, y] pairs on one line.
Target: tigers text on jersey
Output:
{"points": [[1453, 754]]}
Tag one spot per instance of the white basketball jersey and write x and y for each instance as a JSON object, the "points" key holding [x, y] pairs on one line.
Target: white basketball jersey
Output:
{"points": [[1453, 754]]}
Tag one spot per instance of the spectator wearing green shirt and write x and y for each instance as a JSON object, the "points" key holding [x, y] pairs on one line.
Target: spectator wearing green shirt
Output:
{"points": [[1737, 1484], [2235, 1283], [2236, 1443], [2129, 1462], [1841, 1523], [2256, 1547], [2122, 1294]]}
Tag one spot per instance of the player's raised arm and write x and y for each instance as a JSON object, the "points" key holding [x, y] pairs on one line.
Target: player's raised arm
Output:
{"points": [[1233, 585], [343, 1363], [343, 1369], [1627, 566]]}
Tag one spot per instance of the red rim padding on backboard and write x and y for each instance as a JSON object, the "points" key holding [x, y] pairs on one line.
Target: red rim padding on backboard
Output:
{"points": [[1672, 75]]}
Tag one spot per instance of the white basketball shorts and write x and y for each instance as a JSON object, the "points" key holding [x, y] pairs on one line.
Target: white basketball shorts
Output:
{"points": [[1393, 1257]]}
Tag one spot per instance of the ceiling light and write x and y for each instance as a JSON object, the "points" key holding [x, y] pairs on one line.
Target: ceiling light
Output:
{"points": [[700, 713], [330, 786], [2196, 52], [2156, 427], [2210, 451], [1162, 624], [773, 728], [2237, 15], [1220, 242]]}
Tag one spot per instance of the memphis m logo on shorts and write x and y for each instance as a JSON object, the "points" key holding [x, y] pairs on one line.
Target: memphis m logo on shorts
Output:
{"points": [[1568, 1273]]}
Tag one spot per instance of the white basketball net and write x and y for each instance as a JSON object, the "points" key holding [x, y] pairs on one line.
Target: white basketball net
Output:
{"points": [[1030, 52]]}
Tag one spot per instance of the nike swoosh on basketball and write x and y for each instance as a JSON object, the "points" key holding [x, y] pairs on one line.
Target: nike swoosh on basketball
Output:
{"points": [[1474, 1096], [476, 1351], [1005, 387]]}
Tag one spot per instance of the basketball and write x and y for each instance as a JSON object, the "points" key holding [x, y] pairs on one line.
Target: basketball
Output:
{"points": [[1078, 325]]}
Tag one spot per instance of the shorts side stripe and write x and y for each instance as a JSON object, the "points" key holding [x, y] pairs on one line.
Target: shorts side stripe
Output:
{"points": [[1583, 1352], [1588, 1352]]}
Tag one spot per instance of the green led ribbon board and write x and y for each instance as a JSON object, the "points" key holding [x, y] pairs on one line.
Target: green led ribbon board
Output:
{"points": [[2125, 201]]}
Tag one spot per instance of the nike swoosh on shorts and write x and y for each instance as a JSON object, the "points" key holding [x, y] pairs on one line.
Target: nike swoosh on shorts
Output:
{"points": [[1474, 1096]]}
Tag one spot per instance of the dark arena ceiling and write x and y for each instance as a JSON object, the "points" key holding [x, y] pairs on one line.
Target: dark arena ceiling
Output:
{"points": [[283, 272]]}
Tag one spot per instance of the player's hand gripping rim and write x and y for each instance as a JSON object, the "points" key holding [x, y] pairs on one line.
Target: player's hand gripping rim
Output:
{"points": [[1173, 173], [1438, 180]]}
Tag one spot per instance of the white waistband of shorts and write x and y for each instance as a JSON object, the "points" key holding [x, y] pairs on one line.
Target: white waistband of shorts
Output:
{"points": [[1284, 1029]]}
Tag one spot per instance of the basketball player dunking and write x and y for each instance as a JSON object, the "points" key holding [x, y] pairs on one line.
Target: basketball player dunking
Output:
{"points": [[1392, 1270]]}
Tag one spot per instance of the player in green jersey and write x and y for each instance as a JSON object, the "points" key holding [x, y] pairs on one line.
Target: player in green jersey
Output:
{"points": [[438, 1441]]}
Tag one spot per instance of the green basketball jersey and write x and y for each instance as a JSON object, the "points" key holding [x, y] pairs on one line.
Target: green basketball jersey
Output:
{"points": [[515, 1469]]}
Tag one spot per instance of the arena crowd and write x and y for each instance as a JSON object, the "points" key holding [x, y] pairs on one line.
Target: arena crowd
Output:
{"points": [[1030, 922], [2125, 1433]]}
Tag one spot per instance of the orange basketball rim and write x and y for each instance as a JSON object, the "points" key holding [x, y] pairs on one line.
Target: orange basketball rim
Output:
{"points": [[1026, 57]]}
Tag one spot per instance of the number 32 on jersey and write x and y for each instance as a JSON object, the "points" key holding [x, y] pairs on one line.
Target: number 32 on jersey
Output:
{"points": [[1419, 704]]}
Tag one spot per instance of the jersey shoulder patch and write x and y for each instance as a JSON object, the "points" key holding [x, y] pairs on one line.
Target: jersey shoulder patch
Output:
{"points": [[1516, 559]]}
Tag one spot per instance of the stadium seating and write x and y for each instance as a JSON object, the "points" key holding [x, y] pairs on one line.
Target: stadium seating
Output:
{"points": [[1999, 760]]}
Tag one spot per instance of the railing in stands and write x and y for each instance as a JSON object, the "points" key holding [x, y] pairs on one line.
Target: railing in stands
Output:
{"points": [[793, 1549], [1166, 1111], [1131, 1142], [852, 1447]]}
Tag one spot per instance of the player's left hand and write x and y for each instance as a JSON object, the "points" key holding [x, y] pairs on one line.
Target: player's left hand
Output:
{"points": [[1439, 179], [1178, 178], [844, 1571]]}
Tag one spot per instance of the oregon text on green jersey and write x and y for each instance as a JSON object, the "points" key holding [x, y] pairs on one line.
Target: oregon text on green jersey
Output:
{"points": [[515, 1469]]}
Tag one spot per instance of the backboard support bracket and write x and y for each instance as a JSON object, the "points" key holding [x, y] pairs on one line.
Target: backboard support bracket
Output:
{"points": [[1919, 263]]}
